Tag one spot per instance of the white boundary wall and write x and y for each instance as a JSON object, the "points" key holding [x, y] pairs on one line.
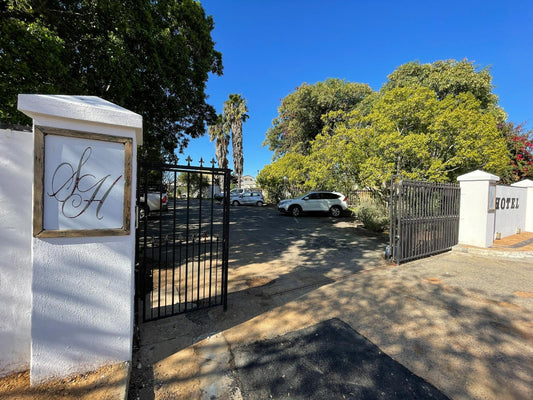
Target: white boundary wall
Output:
{"points": [[511, 204], [82, 288], [489, 211], [16, 180]]}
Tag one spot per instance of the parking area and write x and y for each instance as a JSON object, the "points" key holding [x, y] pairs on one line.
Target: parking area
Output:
{"points": [[461, 323]]}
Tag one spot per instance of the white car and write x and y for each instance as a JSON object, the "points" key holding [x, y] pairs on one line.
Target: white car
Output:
{"points": [[253, 198], [332, 202], [156, 201]]}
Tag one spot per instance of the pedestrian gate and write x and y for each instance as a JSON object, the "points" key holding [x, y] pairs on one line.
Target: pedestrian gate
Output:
{"points": [[424, 219], [182, 239]]}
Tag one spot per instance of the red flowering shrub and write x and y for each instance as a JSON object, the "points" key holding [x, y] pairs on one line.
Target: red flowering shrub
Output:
{"points": [[520, 145]]}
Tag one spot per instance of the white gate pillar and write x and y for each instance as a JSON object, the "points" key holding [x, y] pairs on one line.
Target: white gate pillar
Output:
{"points": [[83, 244], [477, 215]]}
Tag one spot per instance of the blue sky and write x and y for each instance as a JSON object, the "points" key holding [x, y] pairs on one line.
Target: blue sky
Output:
{"points": [[269, 47]]}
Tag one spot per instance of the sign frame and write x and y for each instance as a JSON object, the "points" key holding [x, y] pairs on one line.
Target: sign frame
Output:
{"points": [[39, 230]]}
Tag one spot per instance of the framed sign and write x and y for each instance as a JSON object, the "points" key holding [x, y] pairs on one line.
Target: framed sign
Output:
{"points": [[82, 184]]}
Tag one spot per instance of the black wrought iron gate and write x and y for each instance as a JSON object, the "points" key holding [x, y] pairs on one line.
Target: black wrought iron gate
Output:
{"points": [[182, 239], [424, 219]]}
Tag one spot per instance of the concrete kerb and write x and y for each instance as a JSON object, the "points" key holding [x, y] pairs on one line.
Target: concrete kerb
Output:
{"points": [[491, 252]]}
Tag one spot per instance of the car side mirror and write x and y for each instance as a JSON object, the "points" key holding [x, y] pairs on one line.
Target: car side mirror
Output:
{"points": [[305, 198]]}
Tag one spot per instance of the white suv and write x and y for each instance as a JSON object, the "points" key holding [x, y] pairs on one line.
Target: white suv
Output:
{"points": [[332, 202]]}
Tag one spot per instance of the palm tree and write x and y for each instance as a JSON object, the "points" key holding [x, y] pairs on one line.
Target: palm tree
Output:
{"points": [[221, 138], [235, 112]]}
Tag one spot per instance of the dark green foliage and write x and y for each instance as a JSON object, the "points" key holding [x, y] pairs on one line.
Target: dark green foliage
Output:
{"points": [[300, 115], [150, 57]]}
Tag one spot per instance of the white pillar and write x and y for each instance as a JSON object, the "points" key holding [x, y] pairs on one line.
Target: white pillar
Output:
{"points": [[476, 220], [83, 286], [527, 183]]}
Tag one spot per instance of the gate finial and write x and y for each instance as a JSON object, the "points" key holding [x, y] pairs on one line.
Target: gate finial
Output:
{"points": [[189, 160]]}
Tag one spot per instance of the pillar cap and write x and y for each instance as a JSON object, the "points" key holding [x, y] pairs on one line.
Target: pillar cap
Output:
{"points": [[527, 183], [478, 175], [82, 108]]}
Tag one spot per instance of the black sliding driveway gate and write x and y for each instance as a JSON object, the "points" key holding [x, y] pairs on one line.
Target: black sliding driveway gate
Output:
{"points": [[182, 239], [424, 219]]}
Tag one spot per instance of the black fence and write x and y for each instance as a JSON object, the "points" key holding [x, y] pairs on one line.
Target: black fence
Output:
{"points": [[182, 239], [424, 219]]}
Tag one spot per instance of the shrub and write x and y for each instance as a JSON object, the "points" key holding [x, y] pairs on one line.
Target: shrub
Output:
{"points": [[373, 215]]}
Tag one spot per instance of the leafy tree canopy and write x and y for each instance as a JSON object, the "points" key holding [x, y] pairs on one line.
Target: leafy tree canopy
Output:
{"points": [[300, 114], [286, 175], [431, 122], [409, 131], [446, 78], [152, 57]]}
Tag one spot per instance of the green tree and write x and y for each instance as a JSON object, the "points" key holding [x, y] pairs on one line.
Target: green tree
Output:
{"points": [[409, 131], [449, 77], [152, 57], [194, 182], [286, 176], [300, 114], [235, 114]]}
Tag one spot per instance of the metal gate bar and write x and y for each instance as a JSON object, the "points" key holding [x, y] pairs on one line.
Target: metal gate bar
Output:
{"points": [[182, 251], [424, 218]]}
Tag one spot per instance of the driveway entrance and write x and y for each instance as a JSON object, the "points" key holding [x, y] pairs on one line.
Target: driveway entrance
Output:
{"points": [[182, 242], [459, 322]]}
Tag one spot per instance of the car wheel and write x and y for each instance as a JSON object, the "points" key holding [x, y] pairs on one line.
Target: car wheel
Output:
{"points": [[295, 211], [335, 211], [144, 210], [235, 203], [259, 203]]}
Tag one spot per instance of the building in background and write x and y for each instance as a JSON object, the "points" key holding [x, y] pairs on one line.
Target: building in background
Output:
{"points": [[248, 182]]}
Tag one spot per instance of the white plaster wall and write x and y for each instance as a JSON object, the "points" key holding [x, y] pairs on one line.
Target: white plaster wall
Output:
{"points": [[529, 211], [82, 309], [83, 289], [528, 185], [16, 180], [510, 220], [475, 223]]}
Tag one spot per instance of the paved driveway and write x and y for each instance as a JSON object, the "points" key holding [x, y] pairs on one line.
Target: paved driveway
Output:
{"points": [[459, 322]]}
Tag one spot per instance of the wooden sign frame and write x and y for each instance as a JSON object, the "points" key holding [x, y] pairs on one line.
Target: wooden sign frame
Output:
{"points": [[83, 199]]}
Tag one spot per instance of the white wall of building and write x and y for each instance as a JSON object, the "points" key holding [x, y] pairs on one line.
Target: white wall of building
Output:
{"points": [[528, 185], [16, 181], [489, 211], [248, 182], [511, 204]]}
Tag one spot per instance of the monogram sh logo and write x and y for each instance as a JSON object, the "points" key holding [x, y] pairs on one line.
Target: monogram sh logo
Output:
{"points": [[77, 191]]}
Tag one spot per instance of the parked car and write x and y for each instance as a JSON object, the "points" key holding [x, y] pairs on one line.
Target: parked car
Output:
{"points": [[157, 199], [251, 198], [235, 192], [332, 202]]}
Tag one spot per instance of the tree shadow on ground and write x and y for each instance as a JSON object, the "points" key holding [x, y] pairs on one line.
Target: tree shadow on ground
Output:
{"points": [[466, 342]]}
